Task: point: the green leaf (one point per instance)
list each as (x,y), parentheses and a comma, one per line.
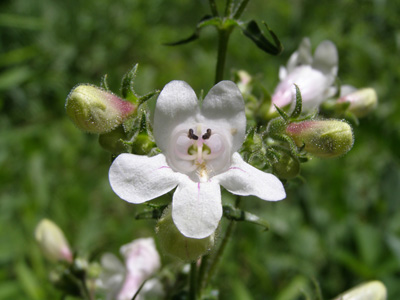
(127,90)
(148,96)
(236,214)
(299,103)
(282,113)
(154,213)
(253,32)
(205,21)
(104,82)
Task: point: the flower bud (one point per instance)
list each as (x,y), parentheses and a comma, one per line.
(287,167)
(95,110)
(113,141)
(178,245)
(143,144)
(322,138)
(371,290)
(52,241)
(362,101)
(243,81)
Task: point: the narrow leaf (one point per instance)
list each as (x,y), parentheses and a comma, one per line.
(299,104)
(154,213)
(104,82)
(236,214)
(253,32)
(127,85)
(205,21)
(148,96)
(282,113)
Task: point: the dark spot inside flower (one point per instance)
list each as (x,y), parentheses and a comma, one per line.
(207,134)
(192,136)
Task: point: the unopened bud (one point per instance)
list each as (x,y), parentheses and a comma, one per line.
(113,141)
(287,167)
(322,138)
(143,144)
(373,290)
(178,245)
(243,80)
(95,110)
(52,241)
(362,101)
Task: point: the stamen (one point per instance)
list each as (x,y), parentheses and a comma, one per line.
(192,136)
(207,134)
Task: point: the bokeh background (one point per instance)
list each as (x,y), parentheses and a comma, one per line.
(338,227)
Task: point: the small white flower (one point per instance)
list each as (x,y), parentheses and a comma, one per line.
(199,145)
(122,281)
(314,76)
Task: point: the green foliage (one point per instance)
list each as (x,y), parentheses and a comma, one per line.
(339,227)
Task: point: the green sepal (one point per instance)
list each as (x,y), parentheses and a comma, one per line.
(127,90)
(282,113)
(205,21)
(155,212)
(104,83)
(299,104)
(236,214)
(148,96)
(253,32)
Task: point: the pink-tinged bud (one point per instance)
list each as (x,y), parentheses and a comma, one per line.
(174,243)
(373,290)
(362,101)
(97,111)
(243,81)
(52,241)
(322,138)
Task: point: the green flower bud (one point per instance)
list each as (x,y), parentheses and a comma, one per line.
(178,245)
(367,291)
(52,241)
(113,141)
(362,101)
(95,110)
(143,144)
(287,167)
(322,138)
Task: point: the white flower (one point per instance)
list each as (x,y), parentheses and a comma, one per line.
(314,76)
(122,281)
(199,144)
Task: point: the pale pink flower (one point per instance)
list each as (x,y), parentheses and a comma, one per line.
(314,75)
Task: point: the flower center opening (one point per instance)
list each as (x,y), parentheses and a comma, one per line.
(199,151)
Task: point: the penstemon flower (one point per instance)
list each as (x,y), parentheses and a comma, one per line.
(199,144)
(122,281)
(314,75)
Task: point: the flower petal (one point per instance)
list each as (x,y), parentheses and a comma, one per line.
(176,104)
(326,58)
(243,179)
(196,208)
(224,105)
(137,179)
(300,57)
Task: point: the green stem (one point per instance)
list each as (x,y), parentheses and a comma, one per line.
(213,7)
(223,38)
(202,272)
(228,8)
(240,9)
(193,281)
(220,251)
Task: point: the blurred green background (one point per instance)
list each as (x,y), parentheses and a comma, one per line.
(338,228)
